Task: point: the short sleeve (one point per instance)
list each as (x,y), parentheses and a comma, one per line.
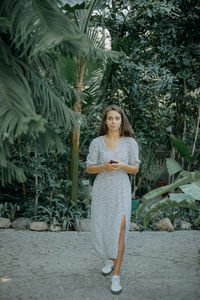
(92,157)
(133,153)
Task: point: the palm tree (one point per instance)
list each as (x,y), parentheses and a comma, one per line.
(34,97)
(82,14)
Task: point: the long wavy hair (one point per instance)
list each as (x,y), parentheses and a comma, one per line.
(125,128)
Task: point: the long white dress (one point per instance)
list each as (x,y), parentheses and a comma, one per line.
(111,194)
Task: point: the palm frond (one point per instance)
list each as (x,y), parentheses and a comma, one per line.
(96,50)
(10,173)
(50,106)
(49,68)
(48,139)
(4,25)
(39,25)
(17,114)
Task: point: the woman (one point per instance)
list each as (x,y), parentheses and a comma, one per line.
(112,156)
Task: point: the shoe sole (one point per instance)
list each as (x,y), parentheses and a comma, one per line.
(105,274)
(116,293)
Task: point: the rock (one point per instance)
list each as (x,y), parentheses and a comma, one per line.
(185,225)
(164,224)
(39,226)
(55,228)
(21,223)
(84,225)
(5,223)
(134,227)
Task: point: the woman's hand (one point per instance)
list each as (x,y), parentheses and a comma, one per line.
(114,167)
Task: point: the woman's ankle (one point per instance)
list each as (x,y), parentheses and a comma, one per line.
(113,259)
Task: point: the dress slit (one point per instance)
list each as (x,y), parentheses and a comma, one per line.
(120,232)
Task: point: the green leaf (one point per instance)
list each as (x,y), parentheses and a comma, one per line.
(182,148)
(179,197)
(192,189)
(162,190)
(39,25)
(17,114)
(149,12)
(197,222)
(173,166)
(167,204)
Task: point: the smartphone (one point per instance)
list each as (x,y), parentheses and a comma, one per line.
(113,162)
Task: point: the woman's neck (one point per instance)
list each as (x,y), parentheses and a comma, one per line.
(113,135)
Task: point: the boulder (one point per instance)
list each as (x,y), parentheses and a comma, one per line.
(185,225)
(39,226)
(84,225)
(21,223)
(134,227)
(5,223)
(164,224)
(55,228)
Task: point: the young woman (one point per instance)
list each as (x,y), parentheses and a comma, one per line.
(112,156)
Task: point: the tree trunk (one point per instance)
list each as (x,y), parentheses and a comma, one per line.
(36,185)
(80,66)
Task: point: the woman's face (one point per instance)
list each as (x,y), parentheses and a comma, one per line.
(113,120)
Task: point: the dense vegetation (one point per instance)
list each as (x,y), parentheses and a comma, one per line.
(57,75)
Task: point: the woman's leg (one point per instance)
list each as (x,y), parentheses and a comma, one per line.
(121,248)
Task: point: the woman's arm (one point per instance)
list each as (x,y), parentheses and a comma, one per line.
(130,169)
(94,169)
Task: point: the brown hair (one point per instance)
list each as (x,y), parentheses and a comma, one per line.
(125,129)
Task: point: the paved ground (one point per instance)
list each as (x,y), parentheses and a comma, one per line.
(58,266)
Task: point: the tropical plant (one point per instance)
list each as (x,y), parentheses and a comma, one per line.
(84,74)
(9,210)
(188,182)
(59,212)
(34,96)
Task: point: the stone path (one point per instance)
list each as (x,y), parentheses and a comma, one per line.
(63,265)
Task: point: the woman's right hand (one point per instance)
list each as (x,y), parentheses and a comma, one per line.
(109,167)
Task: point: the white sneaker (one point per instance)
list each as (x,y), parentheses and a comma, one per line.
(116,287)
(107,269)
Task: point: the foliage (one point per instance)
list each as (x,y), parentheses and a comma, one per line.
(155,92)
(167,204)
(156,82)
(151,168)
(59,212)
(34,95)
(180,200)
(182,148)
(175,214)
(9,210)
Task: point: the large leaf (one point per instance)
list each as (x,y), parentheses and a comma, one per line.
(182,148)
(167,204)
(39,25)
(192,189)
(173,166)
(192,177)
(162,190)
(180,196)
